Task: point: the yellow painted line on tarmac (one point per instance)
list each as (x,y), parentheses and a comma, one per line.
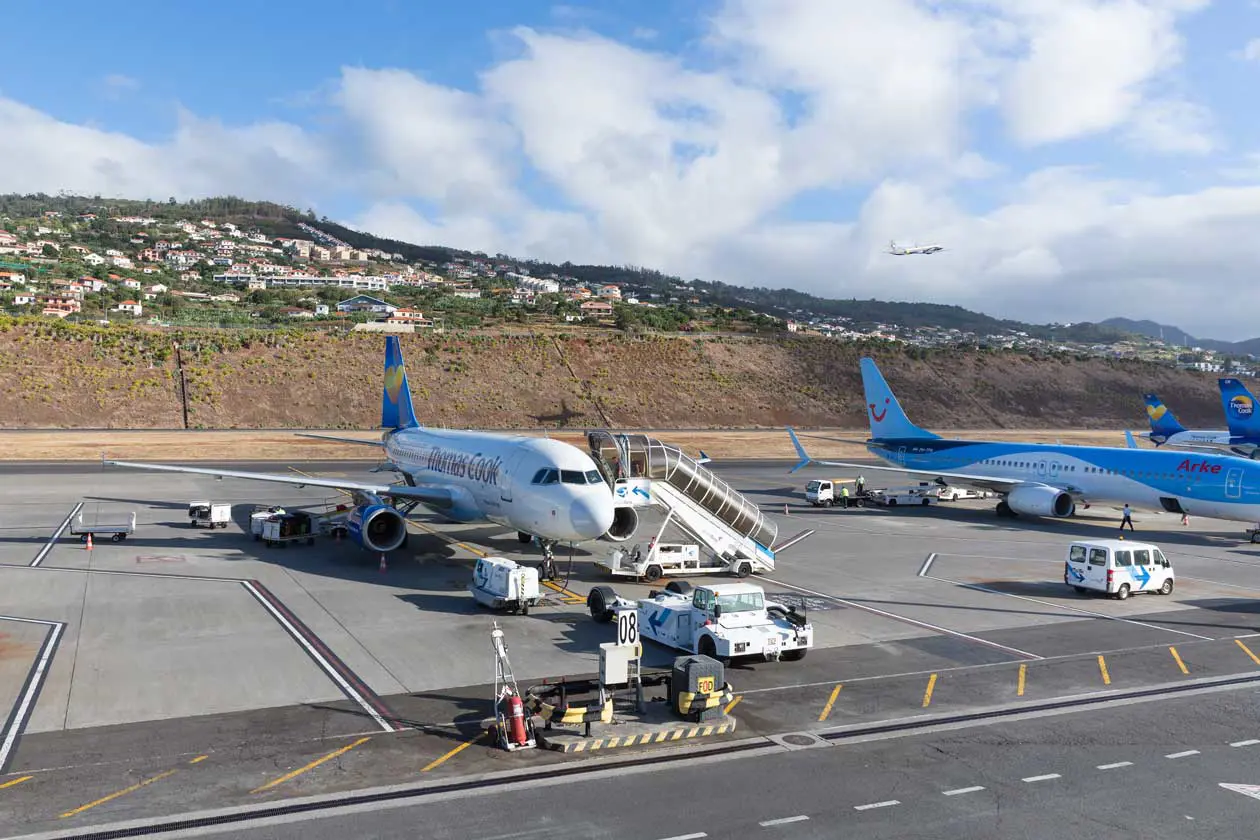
(15,782)
(295,773)
(831,701)
(1254,658)
(1177,657)
(733,704)
(199,759)
(570,597)
(442,759)
(927,695)
(448,538)
(1102,667)
(159,777)
(1023,675)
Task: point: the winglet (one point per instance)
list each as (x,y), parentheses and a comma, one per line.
(800,450)
(1128,438)
(703,459)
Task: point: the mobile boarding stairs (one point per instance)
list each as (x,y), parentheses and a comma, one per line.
(645,472)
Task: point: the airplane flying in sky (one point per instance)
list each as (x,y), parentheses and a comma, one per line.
(1051,479)
(1243,438)
(897,250)
(541,488)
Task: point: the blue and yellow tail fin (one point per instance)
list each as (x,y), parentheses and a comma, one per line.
(1240,409)
(882,409)
(1163,423)
(396,409)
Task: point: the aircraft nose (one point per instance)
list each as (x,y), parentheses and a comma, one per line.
(591,516)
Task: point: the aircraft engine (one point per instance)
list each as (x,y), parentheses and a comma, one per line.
(377,527)
(625,523)
(1041,501)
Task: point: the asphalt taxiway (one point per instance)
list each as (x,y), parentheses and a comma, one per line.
(186,669)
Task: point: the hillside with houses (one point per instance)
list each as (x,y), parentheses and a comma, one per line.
(233,264)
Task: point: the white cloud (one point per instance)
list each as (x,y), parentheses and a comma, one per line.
(117,85)
(1088,63)
(583,148)
(1250,50)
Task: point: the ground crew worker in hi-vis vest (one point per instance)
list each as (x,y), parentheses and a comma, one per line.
(844,494)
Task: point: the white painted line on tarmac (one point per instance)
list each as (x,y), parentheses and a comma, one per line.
(48,546)
(981,588)
(1250,742)
(885,804)
(961,791)
(1047,777)
(904,619)
(1184,754)
(320,660)
(21,713)
(783,821)
(697,836)
(927,564)
(1115,766)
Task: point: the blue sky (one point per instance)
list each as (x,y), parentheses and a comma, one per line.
(1106,146)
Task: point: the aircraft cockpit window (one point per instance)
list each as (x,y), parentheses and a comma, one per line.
(593,477)
(539,476)
(572,477)
(550,477)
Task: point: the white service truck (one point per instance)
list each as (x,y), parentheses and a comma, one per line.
(723,621)
(210,514)
(894,496)
(504,584)
(674,559)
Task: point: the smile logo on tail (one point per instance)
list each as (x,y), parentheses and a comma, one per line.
(881,414)
(1241,406)
(393,381)
(1156,411)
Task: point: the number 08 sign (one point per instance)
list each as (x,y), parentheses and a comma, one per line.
(627,628)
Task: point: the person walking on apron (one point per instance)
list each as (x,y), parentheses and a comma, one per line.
(1127,519)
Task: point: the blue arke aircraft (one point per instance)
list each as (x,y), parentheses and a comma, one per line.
(1039,479)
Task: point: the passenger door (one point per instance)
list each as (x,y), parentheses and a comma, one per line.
(1233,483)
(1096,569)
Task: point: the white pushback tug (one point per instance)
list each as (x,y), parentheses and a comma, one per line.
(723,621)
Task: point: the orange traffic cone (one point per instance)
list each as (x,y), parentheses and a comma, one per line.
(383,567)
(89,543)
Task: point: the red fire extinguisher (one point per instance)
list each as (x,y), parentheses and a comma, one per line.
(516,719)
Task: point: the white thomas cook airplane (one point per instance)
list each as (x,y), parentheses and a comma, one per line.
(897,250)
(538,487)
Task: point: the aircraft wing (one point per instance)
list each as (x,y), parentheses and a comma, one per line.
(982,482)
(432,495)
(338,439)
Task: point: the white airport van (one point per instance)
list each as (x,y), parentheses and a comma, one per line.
(1118,568)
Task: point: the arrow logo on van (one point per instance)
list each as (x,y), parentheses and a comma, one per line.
(1075,575)
(1143,575)
(658,618)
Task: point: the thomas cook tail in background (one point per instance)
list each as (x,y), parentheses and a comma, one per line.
(884,412)
(1240,409)
(396,409)
(1163,423)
